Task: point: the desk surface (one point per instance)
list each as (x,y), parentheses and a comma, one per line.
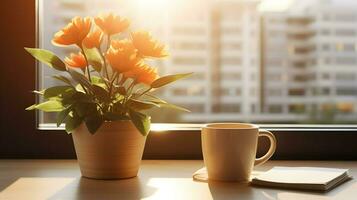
(165,179)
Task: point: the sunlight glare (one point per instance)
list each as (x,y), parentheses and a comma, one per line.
(36,187)
(275,5)
(151,5)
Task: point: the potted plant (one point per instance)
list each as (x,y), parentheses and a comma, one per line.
(106,88)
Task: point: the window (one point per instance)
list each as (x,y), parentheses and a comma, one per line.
(231,30)
(192,91)
(297,108)
(237,60)
(296,92)
(49,142)
(188,45)
(345,32)
(345,77)
(345,47)
(348,17)
(188,60)
(231,76)
(320,91)
(226,108)
(326,17)
(187,31)
(275,109)
(346,60)
(229,92)
(325,32)
(275,92)
(231,45)
(300,78)
(231,61)
(325,76)
(274,62)
(274,77)
(346,91)
(325,47)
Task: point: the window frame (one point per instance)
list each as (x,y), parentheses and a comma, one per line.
(178,141)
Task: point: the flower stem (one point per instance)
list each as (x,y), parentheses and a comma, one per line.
(146,91)
(105,66)
(108,41)
(116,75)
(129,90)
(85,57)
(103,57)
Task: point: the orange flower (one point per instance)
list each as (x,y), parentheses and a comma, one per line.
(147,46)
(123,44)
(143,74)
(122,56)
(112,24)
(93,39)
(74,32)
(76,60)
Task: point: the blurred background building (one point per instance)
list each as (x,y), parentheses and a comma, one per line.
(310,61)
(294,65)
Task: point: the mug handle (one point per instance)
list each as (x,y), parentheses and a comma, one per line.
(271,150)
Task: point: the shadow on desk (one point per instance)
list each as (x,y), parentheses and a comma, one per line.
(84,188)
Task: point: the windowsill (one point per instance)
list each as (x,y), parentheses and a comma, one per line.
(61,179)
(183,141)
(158,127)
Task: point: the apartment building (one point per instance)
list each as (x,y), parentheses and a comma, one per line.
(219,42)
(286,55)
(309,62)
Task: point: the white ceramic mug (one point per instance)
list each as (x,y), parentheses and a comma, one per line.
(229,150)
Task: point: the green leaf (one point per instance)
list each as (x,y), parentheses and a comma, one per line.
(48,58)
(112,116)
(98,81)
(118,107)
(79,88)
(168,79)
(61,116)
(48,106)
(140,105)
(77,97)
(39,92)
(80,78)
(94,58)
(57,90)
(85,109)
(32,107)
(141,122)
(82,98)
(121,90)
(101,94)
(72,122)
(63,79)
(93,122)
(164,104)
(154,98)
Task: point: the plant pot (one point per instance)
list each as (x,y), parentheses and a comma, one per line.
(113,152)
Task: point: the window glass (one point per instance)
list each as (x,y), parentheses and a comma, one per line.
(262,60)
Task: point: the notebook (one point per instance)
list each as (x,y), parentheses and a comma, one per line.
(306,178)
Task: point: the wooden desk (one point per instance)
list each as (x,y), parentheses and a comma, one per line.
(166,179)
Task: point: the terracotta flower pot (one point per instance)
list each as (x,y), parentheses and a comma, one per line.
(113,152)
